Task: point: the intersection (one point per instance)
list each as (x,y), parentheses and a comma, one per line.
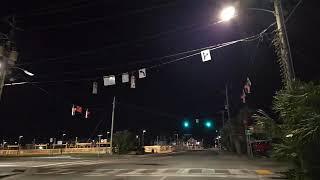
(207,164)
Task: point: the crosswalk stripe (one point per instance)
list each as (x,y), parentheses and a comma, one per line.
(168,172)
(102,172)
(208,171)
(160,171)
(236,171)
(137,171)
(184,171)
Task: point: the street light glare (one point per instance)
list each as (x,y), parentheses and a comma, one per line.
(227,13)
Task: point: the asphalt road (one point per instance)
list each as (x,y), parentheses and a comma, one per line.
(200,165)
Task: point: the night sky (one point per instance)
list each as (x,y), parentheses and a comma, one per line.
(71,44)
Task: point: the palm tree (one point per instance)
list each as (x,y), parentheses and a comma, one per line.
(298,109)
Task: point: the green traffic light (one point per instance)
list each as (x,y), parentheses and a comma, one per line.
(208,124)
(186,124)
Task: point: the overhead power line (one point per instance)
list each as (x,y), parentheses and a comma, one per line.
(105,18)
(190,28)
(56,8)
(214,47)
(293,10)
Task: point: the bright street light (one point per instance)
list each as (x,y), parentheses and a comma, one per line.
(227,13)
(28,73)
(25,71)
(144,131)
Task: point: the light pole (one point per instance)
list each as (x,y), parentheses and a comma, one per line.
(177,135)
(24,70)
(19,144)
(143,131)
(99,144)
(138,139)
(63,135)
(230,12)
(76,142)
(108,134)
(19,140)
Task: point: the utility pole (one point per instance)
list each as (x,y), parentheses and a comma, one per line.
(112,121)
(99,143)
(8,54)
(2,73)
(227,103)
(285,47)
(222,118)
(157,140)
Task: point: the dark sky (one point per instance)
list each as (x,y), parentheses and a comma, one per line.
(71,44)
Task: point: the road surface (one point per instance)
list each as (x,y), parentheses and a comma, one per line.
(199,165)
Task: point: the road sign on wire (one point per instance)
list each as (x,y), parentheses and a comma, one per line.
(205,55)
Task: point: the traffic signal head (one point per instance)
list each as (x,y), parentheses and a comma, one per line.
(186,124)
(208,124)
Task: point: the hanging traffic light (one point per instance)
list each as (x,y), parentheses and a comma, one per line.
(208,124)
(186,124)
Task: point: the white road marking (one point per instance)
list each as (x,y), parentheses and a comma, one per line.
(137,171)
(103,172)
(184,171)
(162,173)
(208,171)
(159,171)
(8,165)
(163,178)
(236,171)
(70,163)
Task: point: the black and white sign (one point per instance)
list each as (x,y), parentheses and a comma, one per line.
(205,55)
(133,82)
(142,73)
(109,80)
(125,77)
(95,88)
